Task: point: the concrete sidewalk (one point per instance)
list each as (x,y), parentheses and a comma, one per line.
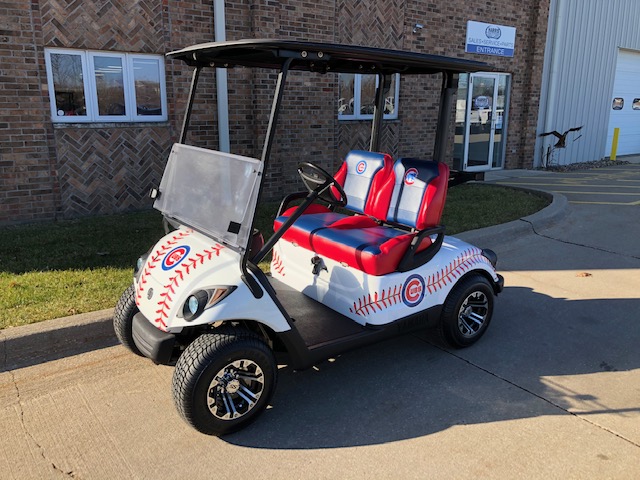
(550,392)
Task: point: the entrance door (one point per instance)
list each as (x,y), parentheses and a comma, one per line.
(481,121)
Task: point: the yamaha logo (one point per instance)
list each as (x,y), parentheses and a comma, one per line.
(361,167)
(493,32)
(174,257)
(413,291)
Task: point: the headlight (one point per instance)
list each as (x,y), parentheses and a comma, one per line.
(139,264)
(200,300)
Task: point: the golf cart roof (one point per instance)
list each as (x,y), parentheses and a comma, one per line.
(321,57)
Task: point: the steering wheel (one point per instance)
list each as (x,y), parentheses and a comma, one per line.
(318,180)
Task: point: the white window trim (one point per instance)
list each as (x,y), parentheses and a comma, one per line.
(163,89)
(94,88)
(90,90)
(357,93)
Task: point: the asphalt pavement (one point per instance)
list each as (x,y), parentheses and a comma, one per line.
(551,391)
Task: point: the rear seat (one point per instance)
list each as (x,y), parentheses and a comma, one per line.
(408,199)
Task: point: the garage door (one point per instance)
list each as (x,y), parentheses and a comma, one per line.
(625,104)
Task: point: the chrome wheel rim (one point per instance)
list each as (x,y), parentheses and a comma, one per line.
(235,389)
(473,314)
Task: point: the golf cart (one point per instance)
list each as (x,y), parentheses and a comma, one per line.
(338,280)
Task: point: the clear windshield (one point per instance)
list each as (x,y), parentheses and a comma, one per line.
(213,192)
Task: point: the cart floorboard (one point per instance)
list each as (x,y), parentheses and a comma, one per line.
(316,322)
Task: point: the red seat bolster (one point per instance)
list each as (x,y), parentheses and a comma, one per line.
(356,221)
(434,199)
(313,208)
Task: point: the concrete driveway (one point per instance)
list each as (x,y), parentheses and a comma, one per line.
(551,391)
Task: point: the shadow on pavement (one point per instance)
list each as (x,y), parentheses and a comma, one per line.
(26,351)
(409,387)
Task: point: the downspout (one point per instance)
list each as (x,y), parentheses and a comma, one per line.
(221,79)
(551,68)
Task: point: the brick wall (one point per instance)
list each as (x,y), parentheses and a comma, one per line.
(74,170)
(28,186)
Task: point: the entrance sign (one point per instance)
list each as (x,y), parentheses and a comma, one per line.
(490,39)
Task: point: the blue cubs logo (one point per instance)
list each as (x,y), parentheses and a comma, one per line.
(410,176)
(361,167)
(413,291)
(175,256)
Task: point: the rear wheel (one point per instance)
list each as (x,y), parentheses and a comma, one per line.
(224,380)
(467,312)
(123,319)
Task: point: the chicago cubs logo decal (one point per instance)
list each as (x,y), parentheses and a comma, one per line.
(361,167)
(174,257)
(410,176)
(413,291)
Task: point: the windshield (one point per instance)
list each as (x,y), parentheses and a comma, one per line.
(213,192)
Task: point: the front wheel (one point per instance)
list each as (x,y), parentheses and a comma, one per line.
(467,312)
(223,381)
(123,319)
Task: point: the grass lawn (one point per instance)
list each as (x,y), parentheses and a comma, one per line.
(68,267)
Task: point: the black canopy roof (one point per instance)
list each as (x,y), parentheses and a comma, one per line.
(321,57)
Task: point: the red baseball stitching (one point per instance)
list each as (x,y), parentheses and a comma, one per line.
(185,269)
(155,258)
(461,264)
(455,270)
(277,264)
(385,300)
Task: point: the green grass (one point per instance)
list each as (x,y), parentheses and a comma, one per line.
(68,267)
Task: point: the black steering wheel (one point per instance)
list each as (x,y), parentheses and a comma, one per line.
(318,180)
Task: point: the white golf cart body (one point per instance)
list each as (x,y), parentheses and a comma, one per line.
(199,297)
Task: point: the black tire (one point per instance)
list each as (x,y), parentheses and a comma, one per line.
(225,369)
(123,319)
(467,312)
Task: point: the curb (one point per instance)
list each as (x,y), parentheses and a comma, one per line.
(54,339)
(545,218)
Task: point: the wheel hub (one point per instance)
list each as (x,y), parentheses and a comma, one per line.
(235,389)
(473,314)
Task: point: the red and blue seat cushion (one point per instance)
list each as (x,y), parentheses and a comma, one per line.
(360,241)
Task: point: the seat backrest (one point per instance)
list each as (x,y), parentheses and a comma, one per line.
(419,193)
(363,176)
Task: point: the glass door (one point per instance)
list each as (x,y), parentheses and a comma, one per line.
(481,113)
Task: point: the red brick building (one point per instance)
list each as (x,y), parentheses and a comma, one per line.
(72,144)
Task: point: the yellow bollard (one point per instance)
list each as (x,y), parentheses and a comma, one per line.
(614,145)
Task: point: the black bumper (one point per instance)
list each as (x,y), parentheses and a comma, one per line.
(152,342)
(499,285)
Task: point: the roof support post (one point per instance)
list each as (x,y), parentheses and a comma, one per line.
(248,279)
(384,84)
(447,94)
(192,94)
(275,110)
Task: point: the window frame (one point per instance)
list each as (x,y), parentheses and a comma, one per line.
(357,98)
(90,87)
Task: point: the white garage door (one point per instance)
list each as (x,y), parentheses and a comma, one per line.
(625,104)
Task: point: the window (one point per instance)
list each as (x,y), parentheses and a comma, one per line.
(105,86)
(618,103)
(358,93)
(636,104)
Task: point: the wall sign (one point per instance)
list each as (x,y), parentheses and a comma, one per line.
(490,39)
